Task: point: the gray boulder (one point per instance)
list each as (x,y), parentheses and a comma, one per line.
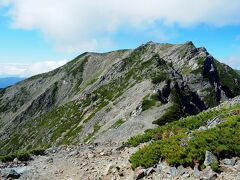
(73,153)
(173,171)
(13,174)
(214,122)
(196,172)
(148,171)
(49,160)
(229,162)
(181,170)
(138,173)
(210,158)
(163,167)
(208,174)
(237,166)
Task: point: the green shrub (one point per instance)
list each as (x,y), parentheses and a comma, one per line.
(172,114)
(147,104)
(136,140)
(160,77)
(223,141)
(215,167)
(150,156)
(182,126)
(22,156)
(40,151)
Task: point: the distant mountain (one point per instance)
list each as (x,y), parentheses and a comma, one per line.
(238,71)
(8,81)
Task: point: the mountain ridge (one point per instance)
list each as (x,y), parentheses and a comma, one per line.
(85,99)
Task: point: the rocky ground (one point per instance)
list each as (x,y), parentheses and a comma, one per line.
(108,162)
(83,162)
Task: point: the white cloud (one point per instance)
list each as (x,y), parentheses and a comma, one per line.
(27,70)
(87,24)
(233,61)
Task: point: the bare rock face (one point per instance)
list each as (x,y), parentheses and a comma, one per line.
(110,97)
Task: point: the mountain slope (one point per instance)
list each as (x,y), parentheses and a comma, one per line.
(8,81)
(112,96)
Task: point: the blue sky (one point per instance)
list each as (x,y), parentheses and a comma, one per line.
(37,36)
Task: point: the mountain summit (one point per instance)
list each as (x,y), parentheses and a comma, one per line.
(109,97)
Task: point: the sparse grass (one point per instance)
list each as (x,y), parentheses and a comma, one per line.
(147,104)
(149,101)
(96,128)
(22,156)
(158,78)
(117,124)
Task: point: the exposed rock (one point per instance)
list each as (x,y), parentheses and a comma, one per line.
(73,153)
(148,171)
(230,162)
(196,172)
(52,150)
(173,171)
(186,175)
(237,166)
(208,174)
(138,173)
(90,155)
(163,167)
(9,173)
(15,161)
(228,168)
(181,170)
(185,140)
(210,158)
(214,122)
(49,160)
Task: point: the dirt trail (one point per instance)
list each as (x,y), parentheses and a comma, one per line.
(82,163)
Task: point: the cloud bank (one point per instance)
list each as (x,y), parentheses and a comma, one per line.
(27,70)
(83,24)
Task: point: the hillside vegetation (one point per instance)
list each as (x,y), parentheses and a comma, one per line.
(185,142)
